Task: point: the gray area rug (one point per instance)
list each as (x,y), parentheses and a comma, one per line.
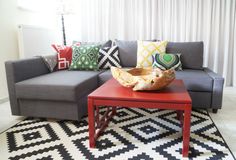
(133,134)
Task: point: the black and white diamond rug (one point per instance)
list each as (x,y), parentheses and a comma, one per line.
(133,134)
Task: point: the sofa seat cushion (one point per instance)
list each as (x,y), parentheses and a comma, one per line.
(61,85)
(104,76)
(195,80)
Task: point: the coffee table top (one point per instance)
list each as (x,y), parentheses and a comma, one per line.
(112,90)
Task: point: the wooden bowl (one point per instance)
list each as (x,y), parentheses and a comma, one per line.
(143,78)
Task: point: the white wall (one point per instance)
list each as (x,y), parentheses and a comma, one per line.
(8,39)
(10,17)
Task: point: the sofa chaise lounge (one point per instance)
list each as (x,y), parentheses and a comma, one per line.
(36,92)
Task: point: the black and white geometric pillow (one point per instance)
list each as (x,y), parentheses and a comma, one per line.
(50,61)
(108,56)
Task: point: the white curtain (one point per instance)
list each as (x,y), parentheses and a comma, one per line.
(211,21)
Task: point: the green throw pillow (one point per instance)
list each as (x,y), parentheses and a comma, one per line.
(85,57)
(167,61)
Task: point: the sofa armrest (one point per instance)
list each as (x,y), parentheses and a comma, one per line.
(20,70)
(218,84)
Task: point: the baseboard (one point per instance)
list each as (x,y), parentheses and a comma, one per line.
(2,100)
(230,90)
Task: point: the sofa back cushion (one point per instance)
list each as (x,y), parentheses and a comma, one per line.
(102,43)
(127,52)
(191,53)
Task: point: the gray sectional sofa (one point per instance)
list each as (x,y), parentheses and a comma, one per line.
(34,91)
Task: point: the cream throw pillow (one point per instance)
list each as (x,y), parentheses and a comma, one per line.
(145,51)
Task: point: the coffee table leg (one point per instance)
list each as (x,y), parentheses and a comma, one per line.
(114,110)
(91,123)
(97,119)
(180,116)
(186,131)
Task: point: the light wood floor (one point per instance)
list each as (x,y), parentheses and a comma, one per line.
(225,119)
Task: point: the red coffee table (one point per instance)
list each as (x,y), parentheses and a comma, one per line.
(174,97)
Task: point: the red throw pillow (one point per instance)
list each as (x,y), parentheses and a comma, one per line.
(64,55)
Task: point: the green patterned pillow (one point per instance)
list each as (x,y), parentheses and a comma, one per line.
(85,57)
(167,61)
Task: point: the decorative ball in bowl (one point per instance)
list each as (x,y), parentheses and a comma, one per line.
(143,78)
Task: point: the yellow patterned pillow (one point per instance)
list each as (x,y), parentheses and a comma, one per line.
(146,49)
